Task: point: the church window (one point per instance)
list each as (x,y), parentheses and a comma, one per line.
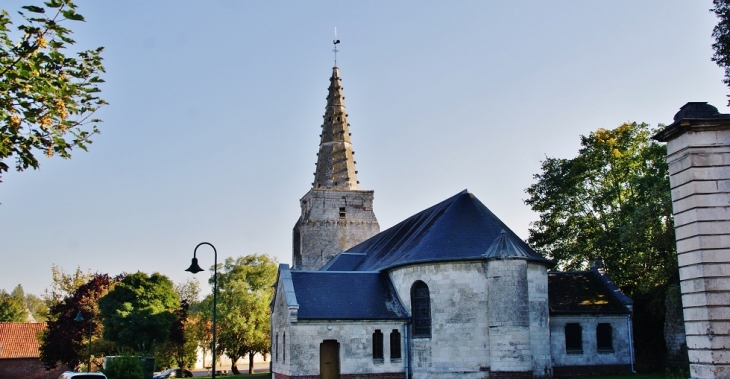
(276,348)
(342,212)
(395,344)
(573,338)
(604,337)
(377,344)
(283,348)
(421,310)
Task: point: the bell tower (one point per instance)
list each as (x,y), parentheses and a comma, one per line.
(336,215)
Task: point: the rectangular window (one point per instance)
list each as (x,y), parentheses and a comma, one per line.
(395,344)
(604,337)
(342,213)
(573,339)
(378,344)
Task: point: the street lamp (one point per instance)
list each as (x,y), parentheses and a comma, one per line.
(195,268)
(79,318)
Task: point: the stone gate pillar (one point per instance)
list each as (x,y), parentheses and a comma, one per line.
(698,153)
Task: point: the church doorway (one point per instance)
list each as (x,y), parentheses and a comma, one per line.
(329,359)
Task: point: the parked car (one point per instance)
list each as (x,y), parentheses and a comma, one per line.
(172,373)
(82,375)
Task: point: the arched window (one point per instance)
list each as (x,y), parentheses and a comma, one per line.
(378,344)
(395,344)
(283,349)
(276,345)
(421,309)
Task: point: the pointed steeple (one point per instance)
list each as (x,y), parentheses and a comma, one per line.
(335,160)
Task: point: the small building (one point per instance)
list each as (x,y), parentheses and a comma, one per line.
(19,352)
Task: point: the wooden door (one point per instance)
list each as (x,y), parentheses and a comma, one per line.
(329,359)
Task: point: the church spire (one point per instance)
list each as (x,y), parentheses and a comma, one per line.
(335,160)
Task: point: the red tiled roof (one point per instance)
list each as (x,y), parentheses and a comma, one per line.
(19,339)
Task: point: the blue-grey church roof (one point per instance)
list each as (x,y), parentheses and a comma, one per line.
(333,295)
(459,228)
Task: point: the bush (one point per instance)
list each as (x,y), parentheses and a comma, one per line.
(124,367)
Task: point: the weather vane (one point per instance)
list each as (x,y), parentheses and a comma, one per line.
(335,42)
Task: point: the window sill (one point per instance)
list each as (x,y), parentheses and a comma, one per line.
(574,352)
(606,351)
(378,361)
(396,360)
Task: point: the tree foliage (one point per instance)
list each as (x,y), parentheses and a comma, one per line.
(124,367)
(181,348)
(64,285)
(245,291)
(721,33)
(138,313)
(47,98)
(12,308)
(33,307)
(66,340)
(612,200)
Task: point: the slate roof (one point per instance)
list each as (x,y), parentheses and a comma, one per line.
(458,228)
(335,295)
(579,292)
(18,339)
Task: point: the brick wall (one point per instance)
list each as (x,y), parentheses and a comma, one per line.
(28,368)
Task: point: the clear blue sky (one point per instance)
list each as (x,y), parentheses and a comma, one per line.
(216,106)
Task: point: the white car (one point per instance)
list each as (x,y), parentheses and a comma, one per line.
(82,375)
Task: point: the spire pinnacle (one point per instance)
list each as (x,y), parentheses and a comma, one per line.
(335,42)
(335,162)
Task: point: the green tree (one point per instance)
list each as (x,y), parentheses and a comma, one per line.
(64,285)
(124,367)
(138,313)
(31,304)
(189,291)
(47,98)
(12,308)
(721,33)
(613,201)
(244,293)
(181,348)
(199,326)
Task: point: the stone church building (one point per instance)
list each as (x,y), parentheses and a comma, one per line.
(450,292)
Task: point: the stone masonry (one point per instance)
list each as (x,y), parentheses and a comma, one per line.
(335,214)
(698,154)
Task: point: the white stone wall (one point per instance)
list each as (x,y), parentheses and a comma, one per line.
(699,168)
(460,334)
(537,289)
(508,316)
(280,325)
(590,356)
(356,346)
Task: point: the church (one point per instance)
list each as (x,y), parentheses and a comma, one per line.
(450,292)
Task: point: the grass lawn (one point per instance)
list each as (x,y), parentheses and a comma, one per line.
(668,374)
(245,376)
(659,375)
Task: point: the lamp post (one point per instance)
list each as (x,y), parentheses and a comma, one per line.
(195,268)
(79,318)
